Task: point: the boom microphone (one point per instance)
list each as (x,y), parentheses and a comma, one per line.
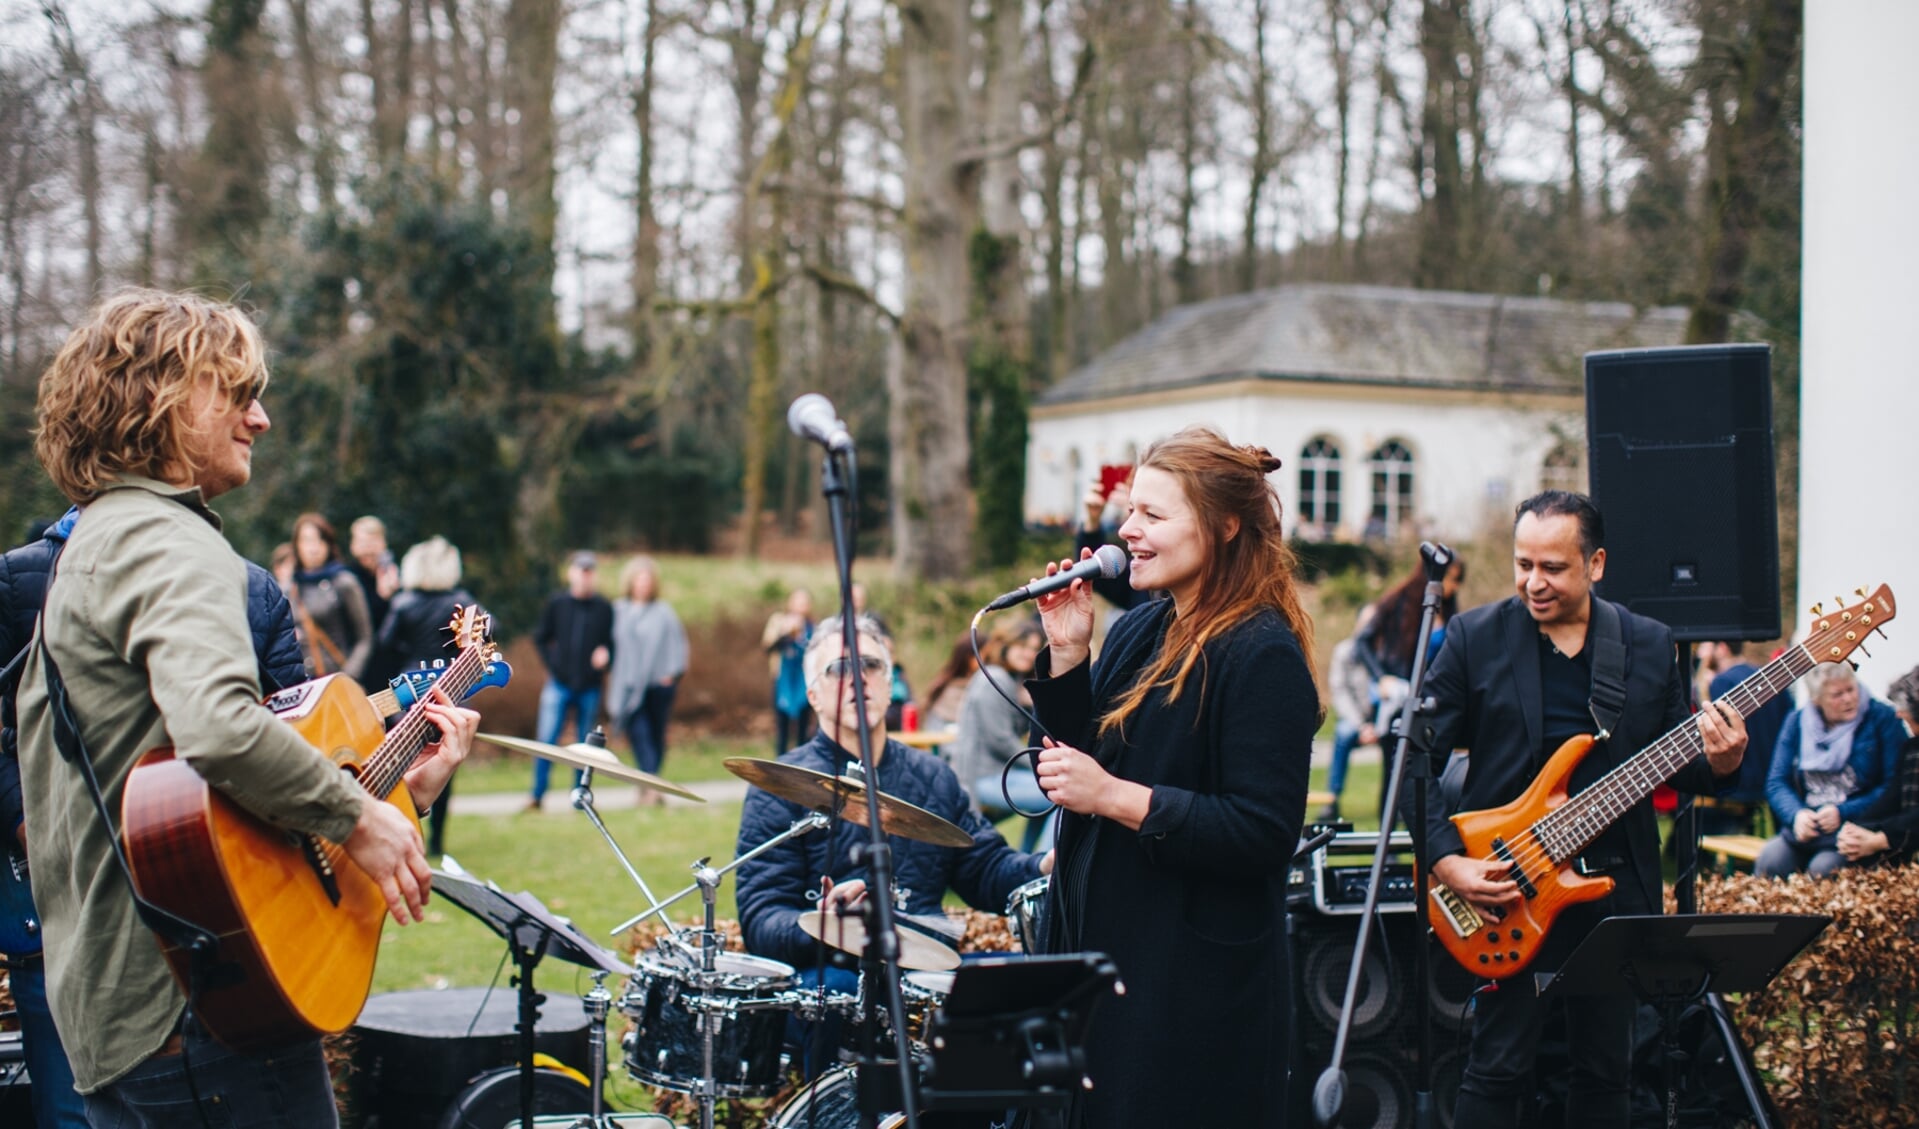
(1106,563)
(812,417)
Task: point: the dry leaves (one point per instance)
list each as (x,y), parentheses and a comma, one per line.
(1834,1034)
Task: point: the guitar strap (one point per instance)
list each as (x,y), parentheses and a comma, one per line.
(1608,701)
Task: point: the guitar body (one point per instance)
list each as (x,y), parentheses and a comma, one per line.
(295,958)
(1499,949)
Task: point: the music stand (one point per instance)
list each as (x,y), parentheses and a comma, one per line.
(1011,1034)
(531,932)
(1670,961)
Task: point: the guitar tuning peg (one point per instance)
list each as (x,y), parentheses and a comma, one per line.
(1860,592)
(1818,609)
(1881,632)
(1838,602)
(1868,654)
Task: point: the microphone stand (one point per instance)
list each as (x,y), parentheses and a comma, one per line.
(881,958)
(1329,1092)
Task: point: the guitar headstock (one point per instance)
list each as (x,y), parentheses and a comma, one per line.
(1835,634)
(473,627)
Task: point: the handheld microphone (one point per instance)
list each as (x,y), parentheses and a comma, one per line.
(1109,561)
(812,417)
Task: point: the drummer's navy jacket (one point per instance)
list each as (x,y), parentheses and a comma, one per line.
(773,887)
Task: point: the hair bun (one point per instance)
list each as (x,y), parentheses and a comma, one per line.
(1268,462)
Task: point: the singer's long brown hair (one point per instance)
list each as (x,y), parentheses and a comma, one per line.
(1245,572)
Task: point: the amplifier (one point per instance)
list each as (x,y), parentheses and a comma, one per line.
(1342,869)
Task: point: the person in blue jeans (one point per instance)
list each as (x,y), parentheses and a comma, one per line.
(1350,685)
(575,637)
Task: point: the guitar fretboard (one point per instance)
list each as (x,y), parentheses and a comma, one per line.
(390,762)
(1581,819)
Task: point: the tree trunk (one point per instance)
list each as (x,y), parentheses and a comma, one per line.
(1747,144)
(646,239)
(1438,160)
(313,91)
(230,193)
(532,60)
(1340,43)
(1263,161)
(927,418)
(1185,273)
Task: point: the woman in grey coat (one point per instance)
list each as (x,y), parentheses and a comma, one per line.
(649,658)
(992,729)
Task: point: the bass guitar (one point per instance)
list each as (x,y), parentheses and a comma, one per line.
(1539,835)
(297,924)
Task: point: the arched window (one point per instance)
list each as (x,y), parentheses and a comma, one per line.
(1563,468)
(1392,467)
(1319,487)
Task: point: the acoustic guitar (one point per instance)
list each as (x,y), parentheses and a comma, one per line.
(1539,835)
(297,923)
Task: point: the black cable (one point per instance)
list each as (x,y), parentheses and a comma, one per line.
(490,985)
(1030,751)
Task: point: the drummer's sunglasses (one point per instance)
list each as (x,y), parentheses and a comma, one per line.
(840,668)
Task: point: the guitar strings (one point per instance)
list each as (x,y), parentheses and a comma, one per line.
(1566,820)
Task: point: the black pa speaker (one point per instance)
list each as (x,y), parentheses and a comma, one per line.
(1680,450)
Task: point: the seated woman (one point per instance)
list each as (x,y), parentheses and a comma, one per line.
(1890,832)
(1835,761)
(947,692)
(993,728)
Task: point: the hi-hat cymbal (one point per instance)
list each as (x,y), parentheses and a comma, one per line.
(822,793)
(847,933)
(581,755)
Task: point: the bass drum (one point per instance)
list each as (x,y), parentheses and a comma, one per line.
(831,1101)
(492,1101)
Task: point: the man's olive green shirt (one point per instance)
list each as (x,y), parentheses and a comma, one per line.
(146,616)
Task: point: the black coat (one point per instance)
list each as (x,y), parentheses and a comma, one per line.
(1487,685)
(1192,906)
(417,628)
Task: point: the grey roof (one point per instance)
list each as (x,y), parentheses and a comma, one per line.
(1376,335)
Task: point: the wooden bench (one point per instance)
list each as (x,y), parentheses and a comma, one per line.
(1732,849)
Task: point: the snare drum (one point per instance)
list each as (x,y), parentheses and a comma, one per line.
(667,999)
(831,1101)
(1026,909)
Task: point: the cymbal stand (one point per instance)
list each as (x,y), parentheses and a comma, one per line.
(708,881)
(583,800)
(811,821)
(597,1002)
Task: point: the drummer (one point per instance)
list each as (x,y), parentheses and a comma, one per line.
(777,887)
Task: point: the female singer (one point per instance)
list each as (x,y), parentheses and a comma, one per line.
(1181,764)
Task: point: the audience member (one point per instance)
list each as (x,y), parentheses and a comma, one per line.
(1354,704)
(372,565)
(418,630)
(328,603)
(785,638)
(1890,832)
(1386,643)
(575,637)
(1834,762)
(649,659)
(1094,531)
(947,692)
(993,728)
(1736,809)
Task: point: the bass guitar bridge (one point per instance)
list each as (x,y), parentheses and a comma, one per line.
(1458,912)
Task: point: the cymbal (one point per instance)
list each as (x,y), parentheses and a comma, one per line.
(820,792)
(582,755)
(847,933)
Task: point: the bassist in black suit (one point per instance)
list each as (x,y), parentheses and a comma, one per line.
(1513,682)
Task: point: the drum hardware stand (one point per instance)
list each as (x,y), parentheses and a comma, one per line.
(811,821)
(596,1002)
(839,477)
(1329,1092)
(708,881)
(583,800)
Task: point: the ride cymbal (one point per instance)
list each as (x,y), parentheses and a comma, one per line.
(819,792)
(847,933)
(579,755)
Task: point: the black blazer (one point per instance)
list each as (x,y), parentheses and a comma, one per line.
(1486,684)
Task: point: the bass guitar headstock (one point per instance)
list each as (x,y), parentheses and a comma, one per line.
(1833,636)
(473,627)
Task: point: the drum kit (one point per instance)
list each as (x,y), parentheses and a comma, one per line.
(712,1024)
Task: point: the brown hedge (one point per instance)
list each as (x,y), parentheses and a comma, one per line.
(1834,1034)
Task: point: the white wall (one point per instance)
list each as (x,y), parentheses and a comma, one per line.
(1474,457)
(1860,391)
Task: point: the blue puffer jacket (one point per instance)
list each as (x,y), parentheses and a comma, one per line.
(23,589)
(773,887)
(1876,747)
